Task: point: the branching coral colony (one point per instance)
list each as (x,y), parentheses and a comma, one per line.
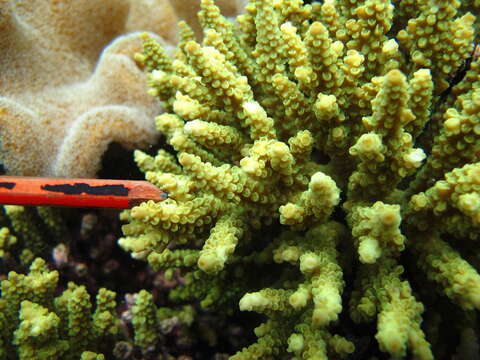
(338,121)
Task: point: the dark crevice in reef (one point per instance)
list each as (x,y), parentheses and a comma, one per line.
(117,163)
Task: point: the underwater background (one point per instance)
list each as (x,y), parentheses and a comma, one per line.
(320,162)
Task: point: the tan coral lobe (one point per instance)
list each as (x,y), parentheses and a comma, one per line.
(69,85)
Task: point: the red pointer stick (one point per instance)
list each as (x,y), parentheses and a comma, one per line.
(121,194)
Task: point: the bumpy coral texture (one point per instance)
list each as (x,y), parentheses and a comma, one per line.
(69,85)
(36,324)
(323,152)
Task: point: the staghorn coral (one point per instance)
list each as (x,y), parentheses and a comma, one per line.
(87,256)
(32,231)
(39,322)
(326,138)
(36,324)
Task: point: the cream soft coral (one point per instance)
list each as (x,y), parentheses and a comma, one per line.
(68,82)
(67,89)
